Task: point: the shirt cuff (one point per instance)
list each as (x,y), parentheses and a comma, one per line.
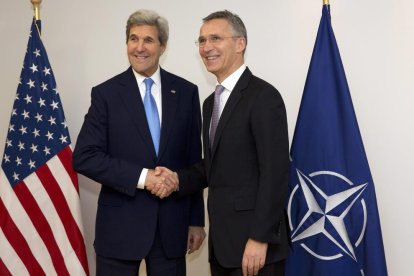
(141,180)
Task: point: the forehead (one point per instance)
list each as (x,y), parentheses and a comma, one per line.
(144,30)
(215,26)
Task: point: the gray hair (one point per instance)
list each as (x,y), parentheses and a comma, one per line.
(234,20)
(151,18)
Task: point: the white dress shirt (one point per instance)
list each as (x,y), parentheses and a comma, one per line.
(156,93)
(229,83)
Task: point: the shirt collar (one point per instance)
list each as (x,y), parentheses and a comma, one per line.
(230,82)
(156,77)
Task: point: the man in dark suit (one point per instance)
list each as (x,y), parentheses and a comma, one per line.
(142,118)
(246,157)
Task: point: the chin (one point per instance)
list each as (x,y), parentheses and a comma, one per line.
(140,69)
(211,69)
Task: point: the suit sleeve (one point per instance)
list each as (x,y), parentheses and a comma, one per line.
(194,178)
(197,200)
(91,157)
(269,128)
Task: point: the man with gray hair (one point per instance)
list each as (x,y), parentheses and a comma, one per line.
(246,158)
(142,118)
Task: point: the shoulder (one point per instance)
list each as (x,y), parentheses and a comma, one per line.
(261,89)
(119,79)
(176,80)
(265,99)
(263,85)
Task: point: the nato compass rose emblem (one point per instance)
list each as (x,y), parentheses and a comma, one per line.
(327,215)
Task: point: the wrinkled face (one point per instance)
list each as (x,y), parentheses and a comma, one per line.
(220,50)
(144,49)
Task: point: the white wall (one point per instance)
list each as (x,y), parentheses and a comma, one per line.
(85,42)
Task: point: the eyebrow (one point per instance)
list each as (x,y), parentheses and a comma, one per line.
(140,37)
(210,35)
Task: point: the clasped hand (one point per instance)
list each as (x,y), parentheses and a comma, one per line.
(161,182)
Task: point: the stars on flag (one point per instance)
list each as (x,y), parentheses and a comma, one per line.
(21,146)
(15,176)
(31,164)
(9,143)
(31,83)
(44,86)
(34,68)
(41,102)
(47,151)
(37,52)
(18,161)
(54,105)
(38,117)
(49,135)
(52,121)
(63,139)
(46,71)
(23,130)
(34,148)
(11,128)
(28,99)
(6,158)
(25,114)
(36,133)
(37,112)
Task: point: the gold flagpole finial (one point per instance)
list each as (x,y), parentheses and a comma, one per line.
(326,2)
(36,7)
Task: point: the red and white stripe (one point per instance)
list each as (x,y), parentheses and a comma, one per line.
(40,222)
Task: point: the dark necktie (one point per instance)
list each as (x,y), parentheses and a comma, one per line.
(216,113)
(152,114)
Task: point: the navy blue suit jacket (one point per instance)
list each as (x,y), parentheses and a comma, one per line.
(113,147)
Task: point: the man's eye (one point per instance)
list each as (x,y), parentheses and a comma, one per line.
(202,40)
(148,41)
(215,39)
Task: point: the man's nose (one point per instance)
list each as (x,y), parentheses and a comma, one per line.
(140,45)
(208,45)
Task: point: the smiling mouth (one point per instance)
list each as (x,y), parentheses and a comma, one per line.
(211,57)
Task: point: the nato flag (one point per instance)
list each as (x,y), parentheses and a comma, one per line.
(333,215)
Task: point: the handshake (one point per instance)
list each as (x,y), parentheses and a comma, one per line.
(161,182)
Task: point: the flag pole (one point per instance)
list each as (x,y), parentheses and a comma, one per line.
(36,5)
(326,2)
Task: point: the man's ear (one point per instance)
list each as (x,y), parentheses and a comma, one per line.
(241,44)
(163,48)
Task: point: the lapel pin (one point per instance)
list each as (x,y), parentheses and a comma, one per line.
(173,91)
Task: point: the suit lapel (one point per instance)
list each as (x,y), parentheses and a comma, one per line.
(170,97)
(231,103)
(131,98)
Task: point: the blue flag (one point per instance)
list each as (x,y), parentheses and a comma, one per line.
(333,215)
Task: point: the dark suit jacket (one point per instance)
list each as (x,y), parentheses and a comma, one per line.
(246,172)
(113,147)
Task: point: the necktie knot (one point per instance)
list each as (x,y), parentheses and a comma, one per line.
(219,89)
(148,83)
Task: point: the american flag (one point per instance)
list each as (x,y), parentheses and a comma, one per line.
(40,218)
